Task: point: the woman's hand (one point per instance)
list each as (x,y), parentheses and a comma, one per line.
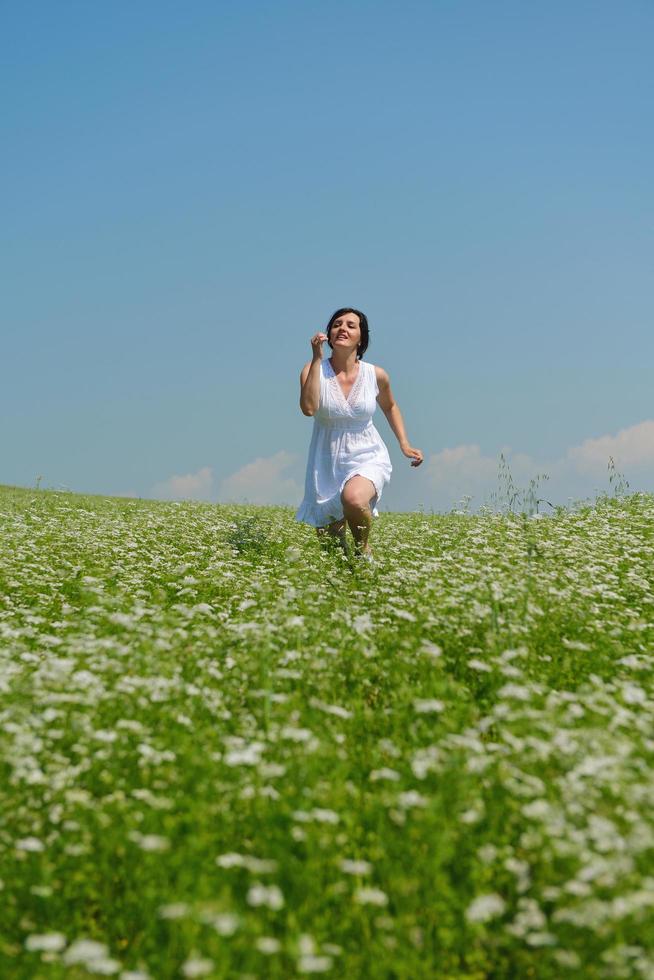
(415,455)
(317,341)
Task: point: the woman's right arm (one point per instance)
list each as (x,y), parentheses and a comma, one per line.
(310,378)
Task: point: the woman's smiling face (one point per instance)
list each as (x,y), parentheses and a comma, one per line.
(345,332)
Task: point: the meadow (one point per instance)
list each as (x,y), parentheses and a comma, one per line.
(229,753)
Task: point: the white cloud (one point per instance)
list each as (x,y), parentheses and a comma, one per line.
(461,471)
(633,446)
(263,481)
(579,473)
(446,476)
(191,486)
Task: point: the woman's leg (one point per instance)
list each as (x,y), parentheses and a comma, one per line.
(356,496)
(333,533)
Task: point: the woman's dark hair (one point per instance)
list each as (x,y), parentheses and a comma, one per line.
(363,323)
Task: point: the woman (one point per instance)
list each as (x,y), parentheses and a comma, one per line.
(348,463)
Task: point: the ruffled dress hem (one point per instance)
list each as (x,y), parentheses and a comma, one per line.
(322,513)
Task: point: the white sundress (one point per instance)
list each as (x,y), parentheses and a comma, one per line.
(344,443)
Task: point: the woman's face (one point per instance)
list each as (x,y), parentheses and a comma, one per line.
(345,332)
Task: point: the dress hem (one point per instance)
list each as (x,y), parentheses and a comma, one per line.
(322,514)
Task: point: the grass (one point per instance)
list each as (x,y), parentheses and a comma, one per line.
(228,753)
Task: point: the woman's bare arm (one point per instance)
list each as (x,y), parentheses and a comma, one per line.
(310,377)
(391,410)
(310,388)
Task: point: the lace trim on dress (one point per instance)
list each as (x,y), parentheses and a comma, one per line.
(355,387)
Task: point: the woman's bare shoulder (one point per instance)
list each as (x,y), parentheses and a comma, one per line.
(380,373)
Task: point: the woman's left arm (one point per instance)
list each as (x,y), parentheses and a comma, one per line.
(391,410)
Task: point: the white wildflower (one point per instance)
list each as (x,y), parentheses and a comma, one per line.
(330,709)
(202,607)
(384,773)
(50,942)
(268,945)
(230,860)
(537,809)
(431,650)
(323,815)
(249,755)
(29,844)
(567,958)
(296,734)
(355,867)
(314,964)
(425,706)
(101,735)
(633,694)
(150,842)
(541,939)
(319,814)
(488,853)
(401,613)
(575,645)
(174,910)
(268,895)
(411,798)
(517,691)
(306,944)
(362,624)
(93,955)
(256,865)
(196,966)
(425,760)
(472,815)
(225,923)
(371,896)
(485,907)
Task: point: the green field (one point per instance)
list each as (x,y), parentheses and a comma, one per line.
(229,753)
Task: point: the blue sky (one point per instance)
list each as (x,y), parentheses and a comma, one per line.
(189,191)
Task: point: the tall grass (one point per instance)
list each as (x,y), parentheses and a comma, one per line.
(229,753)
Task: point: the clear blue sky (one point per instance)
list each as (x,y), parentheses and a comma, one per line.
(190,190)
